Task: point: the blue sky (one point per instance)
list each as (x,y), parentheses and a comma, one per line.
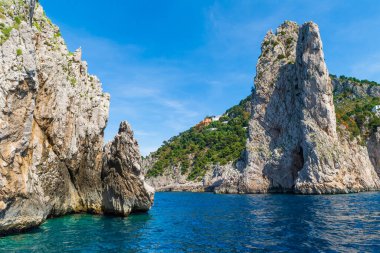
(169,63)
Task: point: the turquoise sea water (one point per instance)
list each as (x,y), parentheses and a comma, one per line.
(205,222)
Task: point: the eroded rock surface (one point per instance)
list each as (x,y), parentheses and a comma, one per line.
(219,178)
(293,143)
(52,118)
(374,150)
(355,89)
(124,189)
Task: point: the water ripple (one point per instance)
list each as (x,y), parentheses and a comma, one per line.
(193,222)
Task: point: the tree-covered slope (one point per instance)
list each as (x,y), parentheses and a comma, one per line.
(354,102)
(196,150)
(193,151)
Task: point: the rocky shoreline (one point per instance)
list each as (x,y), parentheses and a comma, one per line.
(295,144)
(53,160)
(52,156)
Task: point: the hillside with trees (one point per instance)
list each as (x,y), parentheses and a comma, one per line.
(222,141)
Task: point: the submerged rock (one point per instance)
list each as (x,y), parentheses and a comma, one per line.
(52,119)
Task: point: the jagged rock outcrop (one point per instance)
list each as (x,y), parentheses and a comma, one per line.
(200,158)
(212,181)
(124,189)
(52,118)
(374,149)
(355,89)
(294,119)
(293,143)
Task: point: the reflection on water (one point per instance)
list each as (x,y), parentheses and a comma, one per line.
(203,222)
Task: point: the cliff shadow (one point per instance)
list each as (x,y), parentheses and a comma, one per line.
(282,125)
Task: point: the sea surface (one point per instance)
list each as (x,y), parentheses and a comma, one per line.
(206,222)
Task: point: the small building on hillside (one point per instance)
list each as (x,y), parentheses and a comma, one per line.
(376,110)
(216,118)
(207,121)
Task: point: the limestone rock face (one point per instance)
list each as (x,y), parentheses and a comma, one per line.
(293,143)
(374,150)
(124,190)
(225,179)
(220,179)
(52,118)
(355,90)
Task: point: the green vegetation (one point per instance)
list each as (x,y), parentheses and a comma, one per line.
(4,29)
(356,115)
(353,79)
(42,23)
(57,34)
(289,41)
(2,12)
(266,43)
(19,52)
(194,151)
(5,33)
(18,20)
(197,149)
(37,25)
(281,56)
(73,81)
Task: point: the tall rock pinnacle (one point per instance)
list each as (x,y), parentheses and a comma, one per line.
(293,143)
(52,120)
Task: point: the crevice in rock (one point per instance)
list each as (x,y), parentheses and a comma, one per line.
(72,177)
(298,162)
(373,148)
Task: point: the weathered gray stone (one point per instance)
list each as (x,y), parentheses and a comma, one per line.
(354,89)
(124,189)
(52,118)
(374,150)
(293,144)
(221,179)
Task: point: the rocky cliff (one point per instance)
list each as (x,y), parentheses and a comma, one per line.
(124,189)
(298,140)
(293,141)
(53,115)
(203,156)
